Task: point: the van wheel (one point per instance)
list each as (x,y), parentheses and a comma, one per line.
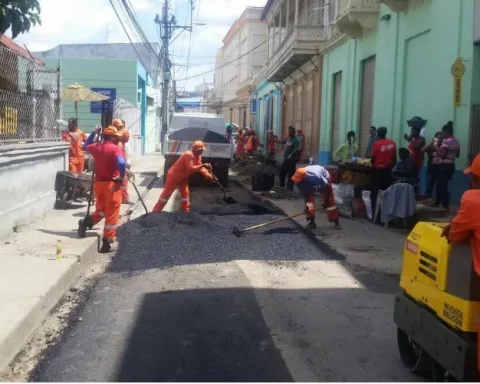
(413,356)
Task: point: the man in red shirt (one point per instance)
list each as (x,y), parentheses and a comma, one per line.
(416,143)
(465,226)
(384,158)
(110,168)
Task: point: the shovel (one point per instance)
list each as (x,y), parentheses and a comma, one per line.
(238,232)
(131,178)
(226,199)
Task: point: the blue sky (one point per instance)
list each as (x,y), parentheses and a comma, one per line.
(91,21)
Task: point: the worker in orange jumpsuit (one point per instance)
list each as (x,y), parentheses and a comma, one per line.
(465,226)
(124,138)
(252,142)
(301,150)
(188,163)
(110,169)
(271,145)
(316,178)
(76,138)
(240,150)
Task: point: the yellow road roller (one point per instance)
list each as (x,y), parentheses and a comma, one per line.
(437,309)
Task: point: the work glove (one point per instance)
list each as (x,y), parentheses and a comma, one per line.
(207,166)
(118,182)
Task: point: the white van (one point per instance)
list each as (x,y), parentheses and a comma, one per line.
(185,128)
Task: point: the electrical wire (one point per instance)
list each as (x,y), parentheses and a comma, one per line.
(232,61)
(126,32)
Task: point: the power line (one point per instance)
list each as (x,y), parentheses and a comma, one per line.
(232,61)
(126,32)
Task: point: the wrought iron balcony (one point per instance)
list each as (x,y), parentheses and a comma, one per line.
(396,5)
(296,49)
(355,16)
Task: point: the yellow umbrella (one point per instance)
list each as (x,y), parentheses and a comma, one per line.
(77,92)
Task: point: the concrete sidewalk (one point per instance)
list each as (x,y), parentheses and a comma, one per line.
(32,281)
(364,244)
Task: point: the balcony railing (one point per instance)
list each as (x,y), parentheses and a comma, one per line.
(296,49)
(355,16)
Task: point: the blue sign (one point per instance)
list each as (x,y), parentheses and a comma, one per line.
(96,106)
(253,103)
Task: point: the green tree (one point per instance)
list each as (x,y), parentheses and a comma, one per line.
(19,15)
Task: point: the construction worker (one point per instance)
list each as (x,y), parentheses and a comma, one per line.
(110,169)
(316,178)
(240,150)
(252,142)
(188,163)
(119,125)
(124,138)
(76,138)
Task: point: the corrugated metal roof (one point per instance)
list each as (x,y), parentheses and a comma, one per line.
(14,47)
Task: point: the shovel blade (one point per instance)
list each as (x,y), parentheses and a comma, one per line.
(230,200)
(236,232)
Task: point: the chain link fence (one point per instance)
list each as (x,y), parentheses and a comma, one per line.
(125,110)
(29,100)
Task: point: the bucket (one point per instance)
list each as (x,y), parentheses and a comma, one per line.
(262,182)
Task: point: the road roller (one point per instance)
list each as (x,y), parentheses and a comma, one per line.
(437,307)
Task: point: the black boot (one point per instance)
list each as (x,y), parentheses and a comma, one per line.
(83,225)
(311,224)
(106,246)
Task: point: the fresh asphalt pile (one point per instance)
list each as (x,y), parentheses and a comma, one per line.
(249,166)
(167,239)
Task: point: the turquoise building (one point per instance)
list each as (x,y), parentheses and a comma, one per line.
(269,108)
(395,62)
(126,80)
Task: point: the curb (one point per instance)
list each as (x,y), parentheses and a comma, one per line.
(20,336)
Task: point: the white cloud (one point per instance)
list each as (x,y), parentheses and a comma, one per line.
(80,21)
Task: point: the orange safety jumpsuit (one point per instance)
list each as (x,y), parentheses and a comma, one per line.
(271,143)
(177,178)
(107,156)
(252,144)
(316,177)
(125,136)
(240,151)
(76,158)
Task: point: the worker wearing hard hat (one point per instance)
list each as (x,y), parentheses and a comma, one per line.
(316,178)
(240,150)
(188,163)
(76,138)
(110,168)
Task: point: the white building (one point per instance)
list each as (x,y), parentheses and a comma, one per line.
(238,62)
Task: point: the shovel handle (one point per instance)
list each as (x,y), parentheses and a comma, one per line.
(274,221)
(216,181)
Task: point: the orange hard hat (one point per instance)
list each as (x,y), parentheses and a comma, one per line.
(474,168)
(110,131)
(117,123)
(299,175)
(198,146)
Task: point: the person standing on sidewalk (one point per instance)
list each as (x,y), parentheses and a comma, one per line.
(384,158)
(110,169)
(289,165)
(432,165)
(76,138)
(447,153)
(415,145)
(371,140)
(316,178)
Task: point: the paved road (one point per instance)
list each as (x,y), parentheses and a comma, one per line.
(270,306)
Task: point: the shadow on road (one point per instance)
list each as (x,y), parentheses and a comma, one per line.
(201,336)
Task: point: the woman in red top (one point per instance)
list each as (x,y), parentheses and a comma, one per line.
(416,143)
(384,158)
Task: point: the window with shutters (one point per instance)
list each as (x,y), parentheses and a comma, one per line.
(366,103)
(336,110)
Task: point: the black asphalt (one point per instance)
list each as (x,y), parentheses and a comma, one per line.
(140,323)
